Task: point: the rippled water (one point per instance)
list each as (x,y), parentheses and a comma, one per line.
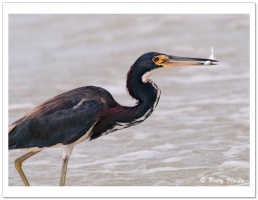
(200,128)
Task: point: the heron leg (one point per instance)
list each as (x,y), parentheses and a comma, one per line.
(18,165)
(67,151)
(63,173)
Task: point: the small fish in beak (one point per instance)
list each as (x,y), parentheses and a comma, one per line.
(212,57)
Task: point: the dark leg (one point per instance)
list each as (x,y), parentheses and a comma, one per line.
(18,165)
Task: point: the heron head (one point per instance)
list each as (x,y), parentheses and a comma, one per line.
(152,62)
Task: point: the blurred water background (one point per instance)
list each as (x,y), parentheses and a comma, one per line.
(200,128)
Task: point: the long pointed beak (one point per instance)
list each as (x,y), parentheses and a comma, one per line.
(174,61)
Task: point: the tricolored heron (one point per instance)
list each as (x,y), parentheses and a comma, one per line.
(87,113)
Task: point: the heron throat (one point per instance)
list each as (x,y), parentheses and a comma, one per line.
(144,90)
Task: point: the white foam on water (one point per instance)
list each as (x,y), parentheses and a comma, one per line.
(175,159)
(143,154)
(114,164)
(165,147)
(161,169)
(140,136)
(237,150)
(163,183)
(234,165)
(168,169)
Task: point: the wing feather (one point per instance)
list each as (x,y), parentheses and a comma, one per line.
(62,119)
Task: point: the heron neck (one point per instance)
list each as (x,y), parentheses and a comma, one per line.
(146,93)
(119,117)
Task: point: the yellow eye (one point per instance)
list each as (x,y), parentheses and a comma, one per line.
(155,59)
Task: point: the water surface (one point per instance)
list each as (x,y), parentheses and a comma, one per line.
(200,128)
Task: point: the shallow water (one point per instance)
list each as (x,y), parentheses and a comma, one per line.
(199,132)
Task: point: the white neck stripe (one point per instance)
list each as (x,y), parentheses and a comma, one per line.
(145,76)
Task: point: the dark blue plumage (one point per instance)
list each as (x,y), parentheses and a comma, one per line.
(87,113)
(62,119)
(68,116)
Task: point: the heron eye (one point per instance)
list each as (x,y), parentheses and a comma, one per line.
(155,59)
